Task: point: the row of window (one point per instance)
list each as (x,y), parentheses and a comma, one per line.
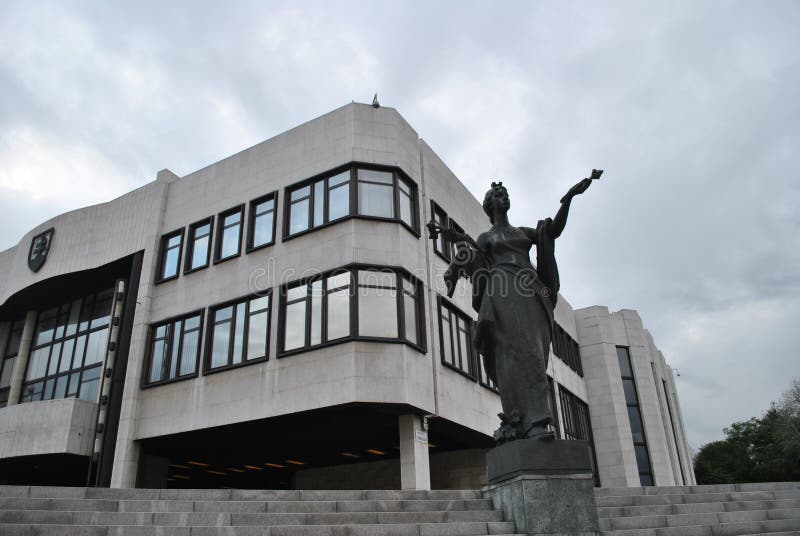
(68,348)
(567,349)
(353,191)
(352,303)
(457,350)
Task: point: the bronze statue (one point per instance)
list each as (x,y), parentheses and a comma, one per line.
(515,304)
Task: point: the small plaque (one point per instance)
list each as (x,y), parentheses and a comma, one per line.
(422,436)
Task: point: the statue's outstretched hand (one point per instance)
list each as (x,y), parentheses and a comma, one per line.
(577,189)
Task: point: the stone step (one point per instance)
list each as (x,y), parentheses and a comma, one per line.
(709,488)
(719,497)
(714,521)
(421,529)
(253,506)
(774,526)
(695,508)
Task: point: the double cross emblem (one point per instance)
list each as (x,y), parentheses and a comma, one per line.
(40,246)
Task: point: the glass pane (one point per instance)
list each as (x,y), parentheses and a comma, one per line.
(74,312)
(463,344)
(231,219)
(170,263)
(47,323)
(174,241)
(54,355)
(377,312)
(72,388)
(77,359)
(410,318)
(375,278)
(101,313)
(61,323)
(339,314)
(624,361)
(238,333)
(375,176)
(635,418)
(90,384)
(157,360)
(47,394)
(338,281)
(646,480)
(630,392)
(257,336)
(339,202)
(202,230)
(319,203)
(86,313)
(341,178)
(37,363)
(223,314)
(447,350)
(257,304)
(220,344)
(14,338)
(305,191)
(193,322)
(61,387)
(8,369)
(298,217)
(176,340)
(405,209)
(200,252)
(642,458)
(295,328)
(265,206)
(375,200)
(189,352)
(96,347)
(316,312)
(294,293)
(262,230)
(230,241)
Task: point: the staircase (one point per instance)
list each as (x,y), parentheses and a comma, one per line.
(717,510)
(61,511)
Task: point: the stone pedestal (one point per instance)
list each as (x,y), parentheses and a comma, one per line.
(544,486)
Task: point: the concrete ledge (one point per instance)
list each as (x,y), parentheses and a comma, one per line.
(63,426)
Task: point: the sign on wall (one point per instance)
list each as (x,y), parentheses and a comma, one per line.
(40,247)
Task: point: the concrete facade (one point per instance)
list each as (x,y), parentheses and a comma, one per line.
(409,381)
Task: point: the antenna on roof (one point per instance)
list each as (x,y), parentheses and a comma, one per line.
(375,103)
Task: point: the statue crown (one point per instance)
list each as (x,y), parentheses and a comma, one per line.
(497,184)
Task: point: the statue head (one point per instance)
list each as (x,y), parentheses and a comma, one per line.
(497,196)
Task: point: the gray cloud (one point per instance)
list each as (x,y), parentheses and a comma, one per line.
(690,107)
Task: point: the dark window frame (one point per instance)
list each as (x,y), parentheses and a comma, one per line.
(7,356)
(211,323)
(578,423)
(567,349)
(144,382)
(637,404)
(162,255)
(353,269)
(191,239)
(251,221)
(444,221)
(455,311)
(398,175)
(219,242)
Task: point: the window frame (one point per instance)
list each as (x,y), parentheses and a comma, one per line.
(456,312)
(209,333)
(219,242)
(162,255)
(567,349)
(352,269)
(144,383)
(437,210)
(7,356)
(251,222)
(398,175)
(190,240)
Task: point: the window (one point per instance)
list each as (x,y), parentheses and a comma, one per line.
(68,350)
(238,333)
(455,339)
(174,349)
(440,245)
(261,226)
(352,303)
(551,388)
(356,191)
(170,261)
(229,234)
(483,377)
(577,424)
(198,246)
(567,349)
(9,356)
(635,417)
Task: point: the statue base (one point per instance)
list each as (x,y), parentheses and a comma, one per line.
(544,486)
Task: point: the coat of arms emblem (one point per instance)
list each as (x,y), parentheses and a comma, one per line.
(40,246)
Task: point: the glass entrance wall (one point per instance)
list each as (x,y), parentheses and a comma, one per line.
(68,349)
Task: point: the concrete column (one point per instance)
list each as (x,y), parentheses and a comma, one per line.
(21,363)
(415,472)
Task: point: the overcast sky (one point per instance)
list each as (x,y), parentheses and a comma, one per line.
(690,107)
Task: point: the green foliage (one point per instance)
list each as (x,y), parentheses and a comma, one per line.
(757,450)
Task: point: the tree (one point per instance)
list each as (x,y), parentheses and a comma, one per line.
(756,450)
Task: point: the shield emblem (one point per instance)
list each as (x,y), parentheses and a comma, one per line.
(40,246)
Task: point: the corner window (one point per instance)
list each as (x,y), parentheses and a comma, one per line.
(440,245)
(261,226)
(455,339)
(68,349)
(170,256)
(229,234)
(198,245)
(357,191)
(567,349)
(9,356)
(353,303)
(238,333)
(174,349)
